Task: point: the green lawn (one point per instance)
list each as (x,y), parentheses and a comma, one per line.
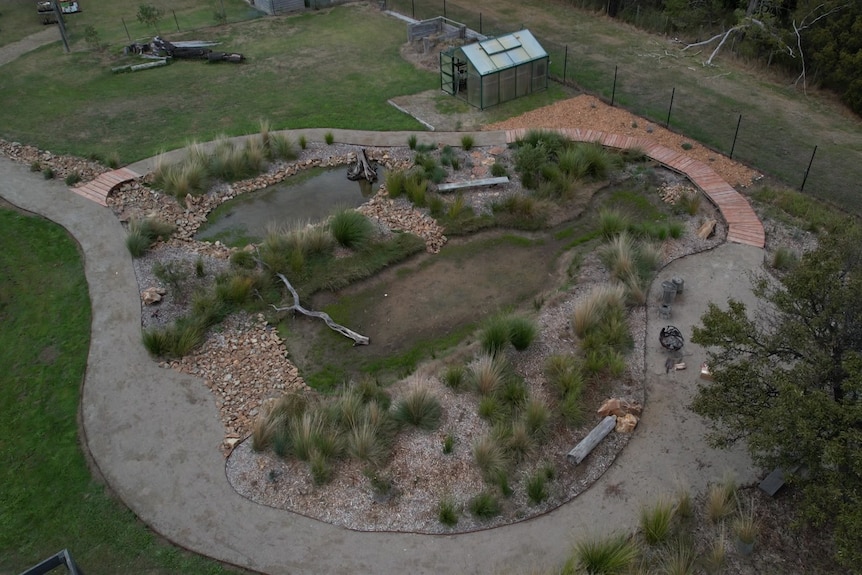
(48,499)
(317,69)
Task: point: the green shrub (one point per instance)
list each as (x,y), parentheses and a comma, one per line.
(522,332)
(303,141)
(447,512)
(73,178)
(656,521)
(675,230)
(495,334)
(456,207)
(529,160)
(199,267)
(264,429)
(484,505)
(157,341)
(467,142)
(328,138)
(144,233)
(686,146)
(137,243)
(612,223)
(436,206)
(235,290)
(280,147)
(498,170)
(208,308)
(679,557)
(416,189)
(370,390)
(720,499)
(411,141)
(537,488)
(351,229)
(513,393)
(689,202)
(520,443)
(486,374)
(305,432)
(48,173)
(35,166)
(171,274)
(600,302)
(620,256)
(453,377)
(367,443)
(321,468)
(420,408)
(564,374)
(448,443)
(613,554)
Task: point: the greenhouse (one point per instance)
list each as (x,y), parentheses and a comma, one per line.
(495,70)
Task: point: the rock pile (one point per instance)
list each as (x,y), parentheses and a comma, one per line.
(40,160)
(673,193)
(243,366)
(401,215)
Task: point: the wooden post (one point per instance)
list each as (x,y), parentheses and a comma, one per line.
(565,63)
(587,444)
(177,22)
(62,25)
(126,28)
(733,147)
(669,108)
(808,169)
(614,90)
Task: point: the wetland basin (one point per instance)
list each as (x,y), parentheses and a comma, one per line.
(308,197)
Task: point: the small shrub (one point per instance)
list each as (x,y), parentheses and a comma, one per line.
(303,141)
(690,202)
(328,138)
(675,230)
(447,512)
(199,267)
(522,332)
(416,189)
(619,256)
(411,141)
(456,207)
(498,170)
(365,442)
(73,178)
(613,554)
(35,166)
(171,274)
(513,393)
(537,488)
(656,521)
(419,408)
(684,507)
(520,442)
(280,147)
(494,335)
(137,243)
(745,525)
(48,173)
(486,374)
(484,505)
(571,410)
(321,468)
(157,341)
(467,142)
(235,290)
(686,146)
(351,229)
(265,426)
(436,205)
(305,431)
(396,183)
(716,555)
(600,302)
(453,377)
(679,558)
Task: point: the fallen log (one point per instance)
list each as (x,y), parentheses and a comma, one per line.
(362,169)
(587,444)
(357,338)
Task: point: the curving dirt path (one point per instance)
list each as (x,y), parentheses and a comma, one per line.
(154,433)
(13,51)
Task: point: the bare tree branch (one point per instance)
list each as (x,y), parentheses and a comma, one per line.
(357,338)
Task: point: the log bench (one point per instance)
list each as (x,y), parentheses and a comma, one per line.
(587,444)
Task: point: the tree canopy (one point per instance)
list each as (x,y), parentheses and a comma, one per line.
(787,379)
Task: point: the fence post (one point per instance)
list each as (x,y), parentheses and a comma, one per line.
(413,7)
(175,20)
(808,169)
(733,147)
(480,22)
(669,108)
(444,8)
(565,63)
(126,28)
(614,90)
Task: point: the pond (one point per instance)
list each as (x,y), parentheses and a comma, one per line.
(308,197)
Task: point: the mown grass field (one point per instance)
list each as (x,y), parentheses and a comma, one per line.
(318,69)
(48,499)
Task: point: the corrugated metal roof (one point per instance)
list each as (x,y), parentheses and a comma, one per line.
(504,52)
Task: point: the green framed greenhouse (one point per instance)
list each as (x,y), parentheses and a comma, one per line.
(495,70)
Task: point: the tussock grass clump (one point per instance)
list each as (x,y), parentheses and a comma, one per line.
(484,505)
(656,521)
(420,408)
(522,332)
(601,301)
(447,511)
(520,442)
(454,376)
(494,335)
(486,374)
(679,558)
(572,410)
(716,555)
(243,260)
(143,233)
(689,202)
(498,170)
(609,555)
(491,457)
(720,500)
(416,190)
(619,256)
(176,340)
(612,223)
(467,142)
(491,408)
(537,488)
(367,443)
(351,229)
(235,289)
(329,138)
(396,183)
(537,418)
(564,374)
(411,141)
(73,178)
(784,259)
